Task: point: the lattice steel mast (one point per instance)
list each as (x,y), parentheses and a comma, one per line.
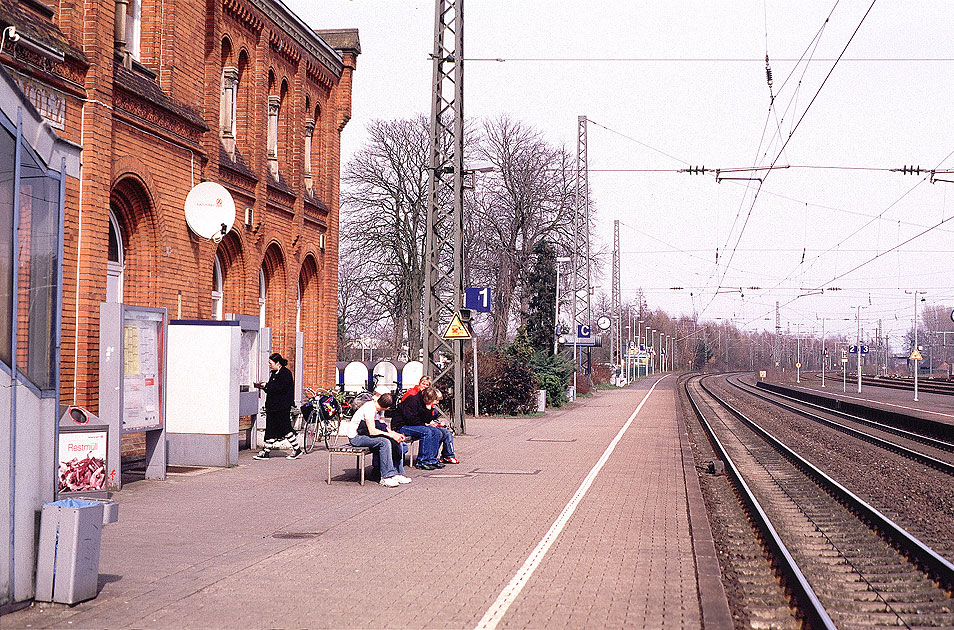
(581,253)
(444,251)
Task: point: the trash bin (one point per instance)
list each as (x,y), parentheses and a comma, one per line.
(67,569)
(541,400)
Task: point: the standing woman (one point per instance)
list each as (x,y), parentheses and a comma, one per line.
(279,398)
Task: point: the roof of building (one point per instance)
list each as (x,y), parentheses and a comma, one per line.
(342,39)
(147,89)
(33,21)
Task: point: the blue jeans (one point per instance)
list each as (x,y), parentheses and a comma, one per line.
(383,449)
(430,442)
(446,440)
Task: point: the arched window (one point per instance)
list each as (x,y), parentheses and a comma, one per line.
(228,101)
(134,28)
(310,153)
(217,284)
(284,144)
(242,96)
(115,260)
(262,291)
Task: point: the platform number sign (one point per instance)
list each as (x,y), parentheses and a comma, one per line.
(477,299)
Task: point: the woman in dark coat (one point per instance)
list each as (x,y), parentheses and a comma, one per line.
(279,398)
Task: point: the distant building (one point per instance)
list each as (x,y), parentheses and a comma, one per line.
(160,97)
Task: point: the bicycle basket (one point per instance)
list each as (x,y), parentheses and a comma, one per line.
(329,404)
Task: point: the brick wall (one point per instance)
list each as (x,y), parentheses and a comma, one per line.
(142,154)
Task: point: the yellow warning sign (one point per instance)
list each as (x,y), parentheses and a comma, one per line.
(456,329)
(916,355)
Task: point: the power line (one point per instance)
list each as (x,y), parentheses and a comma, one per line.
(705,59)
(787,140)
(637,142)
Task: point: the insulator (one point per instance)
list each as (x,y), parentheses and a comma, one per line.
(768,75)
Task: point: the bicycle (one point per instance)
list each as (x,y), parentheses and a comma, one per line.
(353,400)
(321,413)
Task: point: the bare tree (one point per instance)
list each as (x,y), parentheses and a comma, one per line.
(529,197)
(385,199)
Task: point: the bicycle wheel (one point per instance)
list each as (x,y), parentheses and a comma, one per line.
(330,431)
(310,429)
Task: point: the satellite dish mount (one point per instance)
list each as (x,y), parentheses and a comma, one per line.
(210,211)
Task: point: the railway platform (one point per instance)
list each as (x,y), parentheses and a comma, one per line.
(929,406)
(588,516)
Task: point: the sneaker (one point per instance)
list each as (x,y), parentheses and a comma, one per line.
(450,460)
(424,466)
(262,454)
(438,464)
(401,479)
(298,453)
(390,482)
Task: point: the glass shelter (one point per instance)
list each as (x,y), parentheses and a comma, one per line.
(34,166)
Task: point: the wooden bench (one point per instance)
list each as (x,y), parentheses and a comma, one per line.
(359,453)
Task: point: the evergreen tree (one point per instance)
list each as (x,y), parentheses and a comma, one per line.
(541,284)
(702,355)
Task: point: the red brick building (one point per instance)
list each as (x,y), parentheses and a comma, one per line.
(162,96)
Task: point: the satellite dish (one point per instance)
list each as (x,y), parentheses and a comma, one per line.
(210,210)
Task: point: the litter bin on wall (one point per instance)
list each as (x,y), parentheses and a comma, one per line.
(67,569)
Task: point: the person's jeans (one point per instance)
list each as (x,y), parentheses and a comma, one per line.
(398,449)
(382,447)
(430,442)
(446,440)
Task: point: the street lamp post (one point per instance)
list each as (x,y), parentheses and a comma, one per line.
(556,317)
(913,353)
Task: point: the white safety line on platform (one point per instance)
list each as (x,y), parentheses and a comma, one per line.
(882,402)
(509,594)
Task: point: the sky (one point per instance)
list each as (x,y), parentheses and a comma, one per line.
(670,85)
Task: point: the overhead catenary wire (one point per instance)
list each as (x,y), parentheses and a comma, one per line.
(789,138)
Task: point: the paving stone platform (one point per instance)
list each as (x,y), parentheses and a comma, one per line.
(269,544)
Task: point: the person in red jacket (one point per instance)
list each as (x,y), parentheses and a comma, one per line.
(423,384)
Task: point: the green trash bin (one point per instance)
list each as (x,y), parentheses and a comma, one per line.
(67,569)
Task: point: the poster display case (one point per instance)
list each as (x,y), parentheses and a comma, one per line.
(132,361)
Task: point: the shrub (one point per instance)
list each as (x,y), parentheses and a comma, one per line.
(552,373)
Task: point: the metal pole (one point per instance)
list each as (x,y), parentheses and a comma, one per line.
(798,355)
(823,353)
(639,340)
(858,348)
(915,345)
(476,406)
(556,316)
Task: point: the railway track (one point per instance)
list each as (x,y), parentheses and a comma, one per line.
(847,565)
(922,448)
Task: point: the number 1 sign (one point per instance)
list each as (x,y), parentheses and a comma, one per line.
(477,299)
